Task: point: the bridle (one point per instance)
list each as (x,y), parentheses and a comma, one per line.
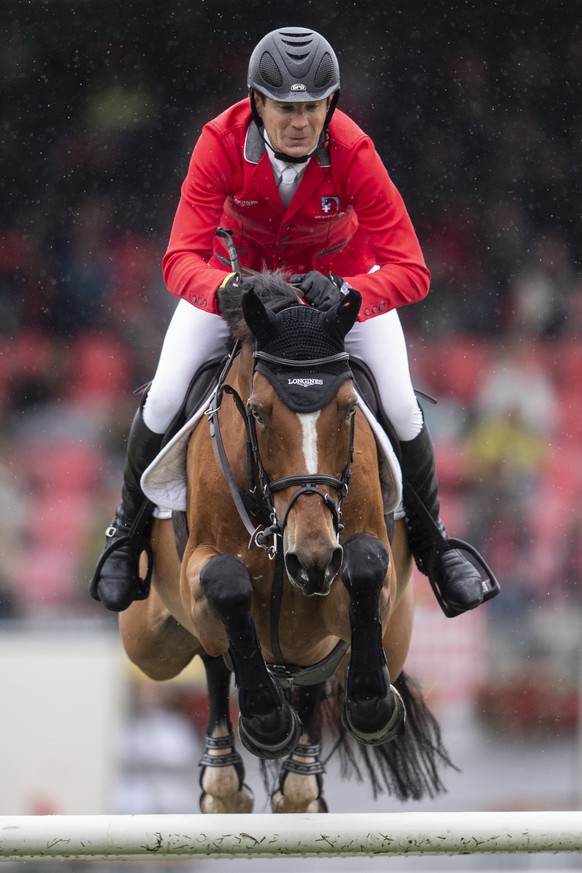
(267,534)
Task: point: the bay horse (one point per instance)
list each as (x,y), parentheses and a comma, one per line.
(290,578)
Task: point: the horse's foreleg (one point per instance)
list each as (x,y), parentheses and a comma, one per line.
(301,780)
(268,726)
(373,709)
(222,774)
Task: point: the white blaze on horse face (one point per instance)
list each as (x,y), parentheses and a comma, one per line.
(309,426)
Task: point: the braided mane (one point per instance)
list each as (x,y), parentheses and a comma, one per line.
(271,287)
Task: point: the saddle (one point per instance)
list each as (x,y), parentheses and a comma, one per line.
(203,386)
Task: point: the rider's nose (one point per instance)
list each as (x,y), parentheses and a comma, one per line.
(299,119)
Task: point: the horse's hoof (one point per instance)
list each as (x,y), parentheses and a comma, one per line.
(222,778)
(281,804)
(300,782)
(241,801)
(267,750)
(357,716)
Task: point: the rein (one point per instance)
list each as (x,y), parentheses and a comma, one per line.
(241,500)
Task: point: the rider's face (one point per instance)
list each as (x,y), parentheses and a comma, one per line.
(292,128)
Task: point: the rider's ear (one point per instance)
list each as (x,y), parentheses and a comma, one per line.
(341,318)
(261,321)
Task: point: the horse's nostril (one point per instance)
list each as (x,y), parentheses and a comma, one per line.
(313,576)
(336,560)
(293,567)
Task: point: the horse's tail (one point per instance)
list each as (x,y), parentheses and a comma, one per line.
(408,767)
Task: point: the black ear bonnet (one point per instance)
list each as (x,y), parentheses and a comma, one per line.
(303,334)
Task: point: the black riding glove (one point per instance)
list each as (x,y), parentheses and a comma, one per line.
(321,291)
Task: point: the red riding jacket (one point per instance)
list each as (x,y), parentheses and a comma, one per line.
(345,217)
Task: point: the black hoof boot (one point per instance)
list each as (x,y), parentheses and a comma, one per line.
(273,742)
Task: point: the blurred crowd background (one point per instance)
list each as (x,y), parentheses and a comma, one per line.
(475,109)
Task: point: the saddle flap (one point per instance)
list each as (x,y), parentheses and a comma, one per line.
(390,472)
(164,481)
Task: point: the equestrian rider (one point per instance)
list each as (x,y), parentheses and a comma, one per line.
(302,189)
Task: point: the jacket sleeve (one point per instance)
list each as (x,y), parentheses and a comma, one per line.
(403,276)
(185,266)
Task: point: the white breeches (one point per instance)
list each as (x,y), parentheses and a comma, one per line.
(195,336)
(379,342)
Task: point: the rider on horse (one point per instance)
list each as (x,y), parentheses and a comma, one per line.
(301,188)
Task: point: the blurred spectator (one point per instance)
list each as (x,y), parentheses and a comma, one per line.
(10,608)
(519,387)
(158,755)
(84,264)
(540,293)
(568,570)
(515,419)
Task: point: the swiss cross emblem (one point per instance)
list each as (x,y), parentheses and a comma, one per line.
(330,204)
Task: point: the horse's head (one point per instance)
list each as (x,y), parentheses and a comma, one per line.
(301,409)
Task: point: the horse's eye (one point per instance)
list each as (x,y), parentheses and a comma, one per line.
(257,415)
(351,412)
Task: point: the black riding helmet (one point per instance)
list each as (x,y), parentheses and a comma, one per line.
(294,65)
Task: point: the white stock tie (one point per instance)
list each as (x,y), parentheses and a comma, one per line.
(287,185)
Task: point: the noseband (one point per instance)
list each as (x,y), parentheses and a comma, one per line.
(266,536)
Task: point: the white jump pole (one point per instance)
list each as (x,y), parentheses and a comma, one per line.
(127,837)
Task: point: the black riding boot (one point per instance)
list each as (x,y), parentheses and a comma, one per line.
(450,573)
(116,581)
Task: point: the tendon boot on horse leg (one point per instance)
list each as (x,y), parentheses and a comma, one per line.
(222,771)
(373,710)
(268,726)
(117,581)
(456,582)
(300,786)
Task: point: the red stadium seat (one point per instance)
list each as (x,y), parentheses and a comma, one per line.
(101,368)
(61,467)
(46,578)
(61,521)
(455,369)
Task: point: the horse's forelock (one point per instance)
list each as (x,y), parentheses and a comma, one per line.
(271,288)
